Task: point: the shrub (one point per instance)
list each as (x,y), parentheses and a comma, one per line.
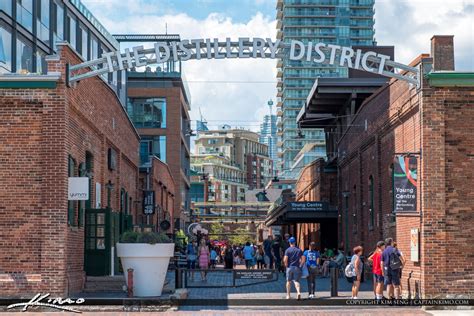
(144,238)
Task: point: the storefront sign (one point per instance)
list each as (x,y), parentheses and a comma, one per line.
(253,275)
(78,189)
(308,206)
(405,183)
(148,202)
(414,244)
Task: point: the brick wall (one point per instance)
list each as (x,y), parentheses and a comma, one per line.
(448,173)
(43,127)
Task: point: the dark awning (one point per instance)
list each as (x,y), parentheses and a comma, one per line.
(329,96)
(301,212)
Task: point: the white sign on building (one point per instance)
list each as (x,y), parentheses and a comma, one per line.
(78,189)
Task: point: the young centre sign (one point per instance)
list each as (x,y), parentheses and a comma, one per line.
(244,47)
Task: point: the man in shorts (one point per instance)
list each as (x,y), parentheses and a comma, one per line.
(391,275)
(293,261)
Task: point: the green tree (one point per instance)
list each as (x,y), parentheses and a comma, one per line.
(216,230)
(241,236)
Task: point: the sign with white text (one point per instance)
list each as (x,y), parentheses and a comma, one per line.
(78,189)
(308,206)
(245,47)
(405,183)
(148,202)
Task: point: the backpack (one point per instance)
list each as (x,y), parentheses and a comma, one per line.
(349,271)
(395,262)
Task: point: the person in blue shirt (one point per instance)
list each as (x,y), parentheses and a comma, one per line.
(293,261)
(312,262)
(213,258)
(249,253)
(191,256)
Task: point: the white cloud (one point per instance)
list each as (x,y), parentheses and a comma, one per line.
(407,24)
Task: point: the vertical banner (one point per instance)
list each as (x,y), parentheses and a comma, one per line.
(148,202)
(414,245)
(405,183)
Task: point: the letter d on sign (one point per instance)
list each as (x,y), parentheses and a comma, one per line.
(293,50)
(162,58)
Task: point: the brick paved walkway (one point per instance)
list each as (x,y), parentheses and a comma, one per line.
(270,290)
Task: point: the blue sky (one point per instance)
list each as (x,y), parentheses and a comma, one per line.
(407,24)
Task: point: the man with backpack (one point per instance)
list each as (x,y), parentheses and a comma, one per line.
(392,265)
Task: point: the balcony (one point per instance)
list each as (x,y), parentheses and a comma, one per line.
(280,93)
(279,63)
(279,104)
(279,34)
(279,113)
(279,25)
(279,73)
(279,83)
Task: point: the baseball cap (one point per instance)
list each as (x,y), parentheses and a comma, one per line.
(292,240)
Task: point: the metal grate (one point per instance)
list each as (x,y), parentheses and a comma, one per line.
(147,37)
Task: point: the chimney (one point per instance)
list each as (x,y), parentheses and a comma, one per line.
(442,52)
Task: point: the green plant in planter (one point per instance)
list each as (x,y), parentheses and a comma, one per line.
(132,237)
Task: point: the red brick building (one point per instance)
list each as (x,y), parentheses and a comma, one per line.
(160,180)
(48,132)
(433,124)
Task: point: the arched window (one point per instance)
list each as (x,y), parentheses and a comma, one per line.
(354,209)
(371,203)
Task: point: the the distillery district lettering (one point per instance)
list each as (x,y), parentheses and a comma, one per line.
(244,48)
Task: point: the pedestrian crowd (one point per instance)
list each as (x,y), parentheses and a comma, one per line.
(283,255)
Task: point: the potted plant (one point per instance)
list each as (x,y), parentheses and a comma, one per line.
(148,254)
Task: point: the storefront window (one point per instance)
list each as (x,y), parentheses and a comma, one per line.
(24,58)
(5,50)
(148,112)
(24,13)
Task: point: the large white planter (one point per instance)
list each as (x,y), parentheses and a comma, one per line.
(149,264)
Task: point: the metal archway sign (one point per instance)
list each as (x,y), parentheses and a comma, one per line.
(197,49)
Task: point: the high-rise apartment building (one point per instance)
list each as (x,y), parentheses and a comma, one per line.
(268,132)
(341,22)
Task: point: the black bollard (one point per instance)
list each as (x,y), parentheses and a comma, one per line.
(178,276)
(334,279)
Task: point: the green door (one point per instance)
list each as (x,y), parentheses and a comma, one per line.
(97,242)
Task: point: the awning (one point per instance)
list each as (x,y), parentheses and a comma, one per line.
(301,212)
(329,96)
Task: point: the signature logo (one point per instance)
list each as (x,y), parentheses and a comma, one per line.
(43,300)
